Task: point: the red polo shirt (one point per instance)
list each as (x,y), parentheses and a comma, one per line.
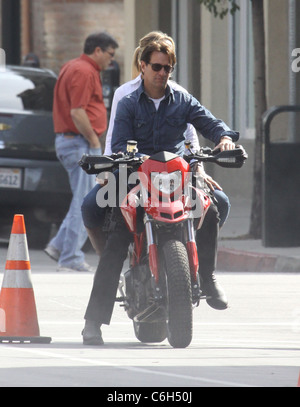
(79,86)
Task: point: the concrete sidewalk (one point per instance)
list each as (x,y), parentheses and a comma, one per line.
(237,253)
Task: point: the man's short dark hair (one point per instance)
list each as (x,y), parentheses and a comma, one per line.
(102,40)
(160,45)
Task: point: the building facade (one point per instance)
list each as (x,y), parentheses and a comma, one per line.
(55,30)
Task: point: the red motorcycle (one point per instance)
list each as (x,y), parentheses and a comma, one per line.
(164,208)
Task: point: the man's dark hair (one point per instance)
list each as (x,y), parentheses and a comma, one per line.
(160,45)
(102,40)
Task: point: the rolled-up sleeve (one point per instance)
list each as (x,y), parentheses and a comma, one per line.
(210,127)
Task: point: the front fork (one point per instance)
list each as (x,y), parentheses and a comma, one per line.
(192,256)
(191,247)
(152,249)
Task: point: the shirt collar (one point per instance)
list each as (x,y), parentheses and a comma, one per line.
(86,58)
(168,93)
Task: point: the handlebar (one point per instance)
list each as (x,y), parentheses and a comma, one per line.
(227,158)
(94,164)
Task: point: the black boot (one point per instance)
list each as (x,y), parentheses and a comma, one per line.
(207,242)
(215,295)
(92,334)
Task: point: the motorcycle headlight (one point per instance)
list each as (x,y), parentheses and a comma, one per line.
(165,182)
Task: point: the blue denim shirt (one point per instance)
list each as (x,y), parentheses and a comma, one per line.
(163,129)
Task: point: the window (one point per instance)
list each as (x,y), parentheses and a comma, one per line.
(26,90)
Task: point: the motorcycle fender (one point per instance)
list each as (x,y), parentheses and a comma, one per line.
(193,259)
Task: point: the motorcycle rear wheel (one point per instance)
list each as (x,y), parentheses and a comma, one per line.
(178,293)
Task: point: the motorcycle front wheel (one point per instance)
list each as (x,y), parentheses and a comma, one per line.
(174,260)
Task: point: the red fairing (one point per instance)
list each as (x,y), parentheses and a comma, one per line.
(138,248)
(172,212)
(128,208)
(204,201)
(167,208)
(177,164)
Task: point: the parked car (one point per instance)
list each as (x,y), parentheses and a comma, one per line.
(32,180)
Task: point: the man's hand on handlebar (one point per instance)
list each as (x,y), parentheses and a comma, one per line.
(225,144)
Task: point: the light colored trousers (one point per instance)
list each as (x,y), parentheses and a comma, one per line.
(72,234)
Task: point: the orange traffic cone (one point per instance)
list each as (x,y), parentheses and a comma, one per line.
(18,316)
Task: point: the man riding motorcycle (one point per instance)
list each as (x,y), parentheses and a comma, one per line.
(156,116)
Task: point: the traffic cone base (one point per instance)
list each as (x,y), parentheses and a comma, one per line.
(25,339)
(18,299)
(18,316)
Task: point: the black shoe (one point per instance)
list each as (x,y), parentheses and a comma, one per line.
(92,334)
(215,295)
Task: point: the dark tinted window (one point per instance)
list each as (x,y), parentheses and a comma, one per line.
(26,89)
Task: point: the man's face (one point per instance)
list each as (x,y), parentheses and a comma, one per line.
(104,57)
(155,81)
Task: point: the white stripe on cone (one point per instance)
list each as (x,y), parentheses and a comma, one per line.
(17,279)
(17,248)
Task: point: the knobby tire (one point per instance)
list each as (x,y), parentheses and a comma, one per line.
(179,293)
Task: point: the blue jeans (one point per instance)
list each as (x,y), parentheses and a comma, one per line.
(223,205)
(72,234)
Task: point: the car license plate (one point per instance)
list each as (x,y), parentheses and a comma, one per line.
(10,178)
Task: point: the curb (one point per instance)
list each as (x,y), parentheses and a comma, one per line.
(237,260)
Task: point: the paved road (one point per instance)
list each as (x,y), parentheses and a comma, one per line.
(256,342)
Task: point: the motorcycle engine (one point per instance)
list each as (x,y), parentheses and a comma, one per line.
(138,289)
